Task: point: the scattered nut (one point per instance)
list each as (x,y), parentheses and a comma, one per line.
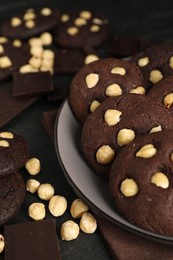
(35,41)
(94,105)
(160,180)
(80,21)
(138,90)
(147,151)
(30,24)
(69,230)
(46,11)
(112,116)
(90,58)
(78,207)
(65,18)
(95,28)
(156,129)
(3,39)
(98,21)
(113,90)
(15,21)
(125,136)
(17,43)
(32,185)
(171,62)
(142,62)
(88,223)
(37,211)
(36,51)
(168,100)
(33,166)
(105,154)
(27,68)
(48,54)
(57,205)
(1,49)
(7,135)
(85,14)
(35,62)
(4,143)
(5,62)
(72,31)
(92,80)
(2,243)
(46,38)
(155,76)
(29,16)
(129,187)
(118,70)
(45,191)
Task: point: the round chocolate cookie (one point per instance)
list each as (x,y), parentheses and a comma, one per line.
(12,194)
(100,80)
(141,182)
(116,123)
(81,28)
(163,92)
(14,153)
(30,22)
(155,62)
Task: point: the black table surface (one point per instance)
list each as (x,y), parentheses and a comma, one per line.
(152,19)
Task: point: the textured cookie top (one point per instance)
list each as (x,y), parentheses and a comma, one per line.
(155,62)
(117,122)
(163,92)
(30,22)
(81,28)
(141,182)
(100,80)
(12,194)
(13,153)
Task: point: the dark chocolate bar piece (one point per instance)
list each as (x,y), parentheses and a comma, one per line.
(11,106)
(32,240)
(32,83)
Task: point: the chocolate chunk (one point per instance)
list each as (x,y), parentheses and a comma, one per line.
(32,83)
(11,106)
(12,194)
(32,240)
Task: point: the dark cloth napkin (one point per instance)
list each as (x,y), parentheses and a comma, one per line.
(123,245)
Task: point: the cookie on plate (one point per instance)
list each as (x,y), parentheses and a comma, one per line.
(100,80)
(154,62)
(77,29)
(141,182)
(163,92)
(12,194)
(14,153)
(116,123)
(30,22)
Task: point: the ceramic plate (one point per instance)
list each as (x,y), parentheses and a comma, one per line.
(87,185)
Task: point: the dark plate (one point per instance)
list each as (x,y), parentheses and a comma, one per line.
(87,185)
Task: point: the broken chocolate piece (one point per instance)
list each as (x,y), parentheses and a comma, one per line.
(32,83)
(32,240)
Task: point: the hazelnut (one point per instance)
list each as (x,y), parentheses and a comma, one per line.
(78,207)
(32,185)
(17,43)
(147,151)
(92,80)
(72,31)
(138,90)
(160,180)
(48,54)
(129,187)
(7,135)
(29,16)
(46,11)
(95,28)
(30,24)
(80,21)
(105,154)
(65,18)
(35,62)
(168,100)
(35,41)
(57,205)
(1,49)
(37,211)
(113,90)
(94,105)
(36,50)
(45,191)
(171,62)
(33,166)
(2,243)
(46,38)
(156,129)
(4,143)
(5,62)
(171,157)
(27,68)
(3,39)
(112,116)
(125,136)
(90,58)
(69,230)
(155,76)
(15,21)
(118,70)
(88,223)
(142,62)
(85,14)
(98,21)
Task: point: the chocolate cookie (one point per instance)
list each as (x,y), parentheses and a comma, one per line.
(117,122)
(163,92)
(154,63)
(81,28)
(30,22)
(141,182)
(13,153)
(12,194)
(100,80)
